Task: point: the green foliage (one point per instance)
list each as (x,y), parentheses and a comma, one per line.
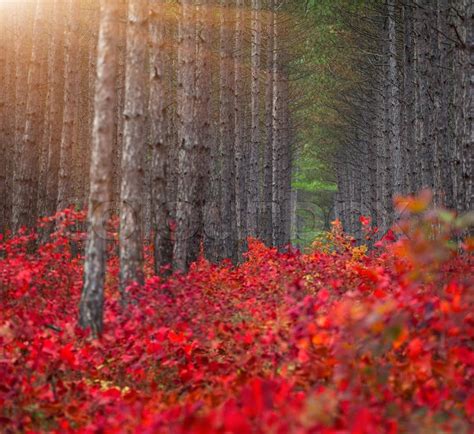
(321,71)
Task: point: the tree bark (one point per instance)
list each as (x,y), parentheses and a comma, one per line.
(4,148)
(92,299)
(239,132)
(160,112)
(26,173)
(71,100)
(226,120)
(281,152)
(55,107)
(265,220)
(394,101)
(187,213)
(253,179)
(131,194)
(205,143)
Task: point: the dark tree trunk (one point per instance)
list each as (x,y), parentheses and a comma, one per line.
(265,220)
(226,119)
(187,212)
(253,179)
(160,114)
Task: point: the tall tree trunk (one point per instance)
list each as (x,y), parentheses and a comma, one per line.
(26,174)
(4,149)
(10,109)
(205,143)
(71,101)
(226,120)
(187,224)
(56,101)
(394,101)
(425,90)
(212,206)
(265,220)
(409,100)
(92,60)
(92,299)
(253,181)
(442,127)
(131,194)
(280,218)
(121,38)
(469,143)
(239,132)
(160,112)
(23,37)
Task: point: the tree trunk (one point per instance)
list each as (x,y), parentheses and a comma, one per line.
(239,132)
(265,221)
(187,214)
(92,299)
(4,148)
(131,194)
(55,107)
(119,116)
(409,100)
(226,120)
(23,38)
(26,174)
(394,102)
(280,139)
(160,112)
(253,181)
(205,143)
(71,101)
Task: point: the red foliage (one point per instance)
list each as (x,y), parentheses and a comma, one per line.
(332,341)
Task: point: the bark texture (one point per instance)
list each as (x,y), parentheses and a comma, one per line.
(92,299)
(134,143)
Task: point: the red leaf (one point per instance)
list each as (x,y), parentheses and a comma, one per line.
(415,348)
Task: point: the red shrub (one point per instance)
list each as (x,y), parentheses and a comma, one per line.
(332,341)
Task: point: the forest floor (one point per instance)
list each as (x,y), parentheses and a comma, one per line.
(334,340)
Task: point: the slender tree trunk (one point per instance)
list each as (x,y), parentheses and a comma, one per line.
(131,194)
(212,207)
(394,101)
(26,174)
(226,120)
(279,137)
(160,112)
(4,150)
(10,121)
(92,299)
(92,60)
(23,38)
(187,224)
(119,117)
(239,131)
(265,221)
(442,100)
(287,162)
(409,100)
(253,190)
(71,101)
(56,101)
(469,143)
(424,83)
(205,143)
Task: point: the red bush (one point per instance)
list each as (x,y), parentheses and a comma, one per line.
(332,341)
